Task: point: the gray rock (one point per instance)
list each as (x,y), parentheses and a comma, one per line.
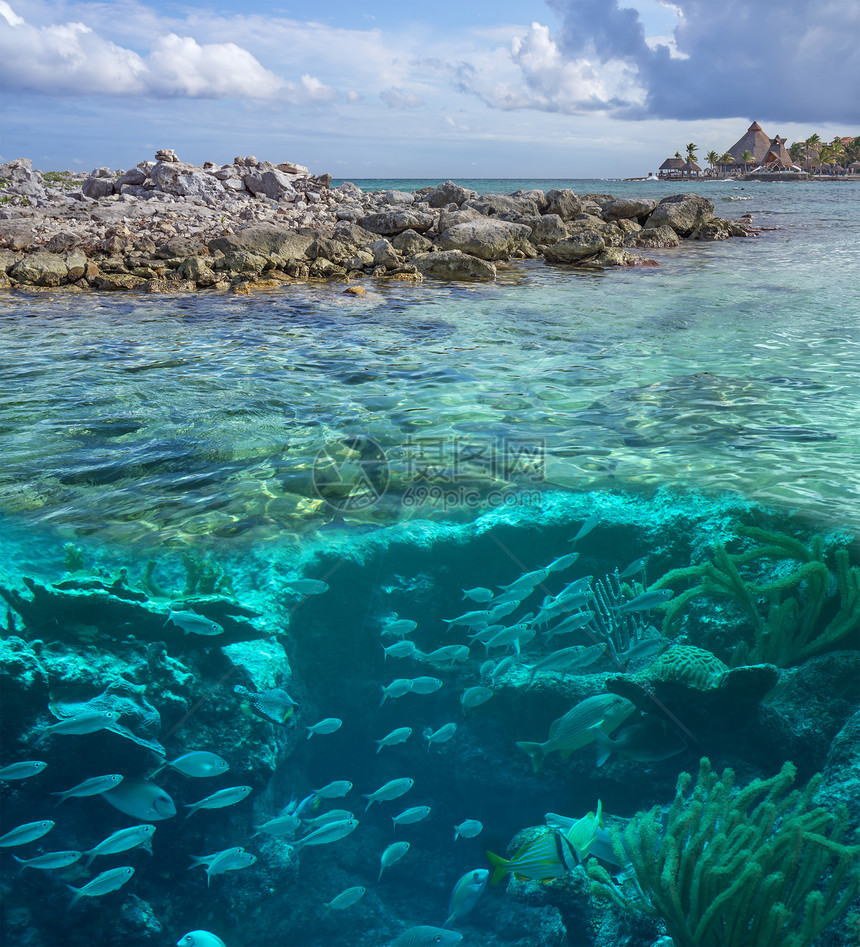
(505,207)
(626,208)
(564,203)
(7,260)
(487,239)
(76,265)
(448,193)
(586,244)
(397,197)
(409,243)
(656,238)
(64,240)
(682,212)
(453,265)
(614,256)
(96,187)
(450,218)
(612,234)
(389,223)
(385,255)
(277,244)
(132,176)
(179,246)
(716,229)
(547,230)
(41,269)
(273,184)
(185,180)
(198,269)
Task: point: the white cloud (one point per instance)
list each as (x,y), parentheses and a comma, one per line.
(72,59)
(397,98)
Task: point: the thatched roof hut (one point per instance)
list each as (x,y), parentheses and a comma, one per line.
(672,164)
(690,168)
(777,157)
(755,141)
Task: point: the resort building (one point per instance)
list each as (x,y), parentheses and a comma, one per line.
(755,143)
(671,169)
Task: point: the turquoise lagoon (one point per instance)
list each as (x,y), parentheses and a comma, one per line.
(402,446)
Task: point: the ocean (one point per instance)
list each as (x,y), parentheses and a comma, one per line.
(306,469)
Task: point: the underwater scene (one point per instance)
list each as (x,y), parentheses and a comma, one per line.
(520,614)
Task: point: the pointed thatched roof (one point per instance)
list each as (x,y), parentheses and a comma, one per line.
(691,166)
(777,154)
(672,164)
(755,141)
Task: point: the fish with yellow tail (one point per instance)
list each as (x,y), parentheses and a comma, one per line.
(540,859)
(577,727)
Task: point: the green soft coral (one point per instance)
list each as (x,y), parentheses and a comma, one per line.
(744,868)
(806,610)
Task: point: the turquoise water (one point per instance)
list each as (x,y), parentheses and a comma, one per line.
(400,446)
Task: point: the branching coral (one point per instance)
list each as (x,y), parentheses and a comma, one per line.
(746,868)
(795,614)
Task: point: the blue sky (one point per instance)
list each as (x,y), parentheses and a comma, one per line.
(508,88)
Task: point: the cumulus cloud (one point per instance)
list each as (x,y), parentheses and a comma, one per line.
(778,60)
(72,59)
(397,98)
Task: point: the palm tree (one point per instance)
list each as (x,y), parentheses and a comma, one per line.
(825,157)
(713,159)
(691,151)
(837,151)
(852,150)
(796,151)
(747,157)
(727,158)
(813,141)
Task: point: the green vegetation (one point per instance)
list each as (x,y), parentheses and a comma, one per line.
(737,868)
(800,600)
(202,577)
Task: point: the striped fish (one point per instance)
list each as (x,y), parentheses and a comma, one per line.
(539,859)
(576,728)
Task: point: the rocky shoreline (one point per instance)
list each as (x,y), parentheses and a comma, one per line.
(168,226)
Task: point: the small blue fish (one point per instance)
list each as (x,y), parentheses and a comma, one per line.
(94,786)
(22,770)
(121,841)
(329,725)
(49,860)
(197,763)
(391,856)
(468,829)
(345,899)
(400,735)
(192,623)
(28,832)
(104,883)
(306,586)
(220,800)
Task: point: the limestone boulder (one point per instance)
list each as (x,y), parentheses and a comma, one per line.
(582,245)
(682,212)
(273,184)
(627,208)
(76,264)
(563,202)
(614,256)
(186,180)
(390,223)
(547,230)
(505,207)
(656,238)
(64,240)
(134,176)
(716,229)
(385,255)
(41,269)
(409,243)
(449,218)
(276,244)
(487,239)
(453,265)
(612,234)
(178,247)
(96,187)
(448,193)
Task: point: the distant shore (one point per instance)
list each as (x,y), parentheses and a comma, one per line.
(168,226)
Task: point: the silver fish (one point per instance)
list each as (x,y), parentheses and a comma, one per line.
(49,860)
(448,655)
(646,601)
(636,566)
(94,786)
(516,635)
(28,832)
(142,800)
(393,789)
(220,800)
(392,855)
(200,939)
(193,624)
(426,936)
(563,562)
(399,627)
(442,735)
(121,841)
(230,859)
(566,660)
(503,667)
(402,649)
(325,834)
(345,899)
(466,893)
(275,704)
(90,721)
(197,763)
(334,790)
(425,685)
(284,826)
(646,742)
(475,696)
(468,829)
(307,586)
(478,594)
(474,619)
(411,816)
(400,735)
(505,608)
(569,624)
(586,527)
(333,815)
(526,582)
(328,725)
(22,770)
(484,634)
(104,883)
(644,648)
(397,688)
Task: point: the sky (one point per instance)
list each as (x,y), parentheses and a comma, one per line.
(452,89)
